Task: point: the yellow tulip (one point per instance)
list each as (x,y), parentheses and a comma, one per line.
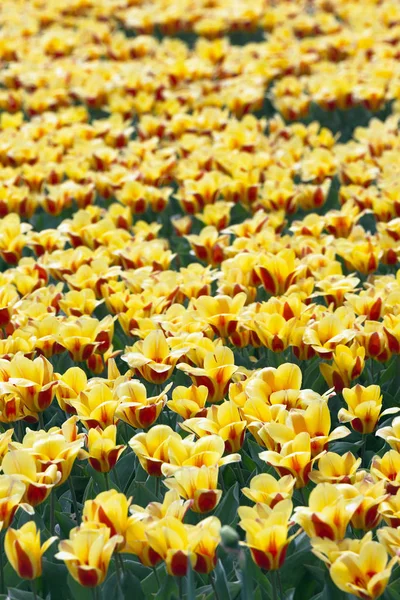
(390,508)
(387,468)
(389,537)
(110,509)
(365,573)
(169,539)
(364,405)
(223,420)
(33,380)
(198,484)
(265,489)
(391,434)
(103,451)
(295,458)
(96,405)
(152,447)
(51,448)
(329,511)
(188,401)
(70,385)
(348,364)
(12,491)
(22,464)
(24,550)
(218,368)
(153,358)
(267,533)
(221,312)
(367,514)
(87,553)
(135,407)
(336,468)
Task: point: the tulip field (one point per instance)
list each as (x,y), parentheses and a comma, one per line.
(199,299)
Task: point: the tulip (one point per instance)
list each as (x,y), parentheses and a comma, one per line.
(87,553)
(391,434)
(188,401)
(135,407)
(86,335)
(330,550)
(220,312)
(374,338)
(96,406)
(12,491)
(329,511)
(70,385)
(198,484)
(223,420)
(390,508)
(51,448)
(330,331)
(267,533)
(364,574)
(153,358)
(204,539)
(110,509)
(295,458)
(387,468)
(277,272)
(348,364)
(39,484)
(265,489)
(218,368)
(336,468)
(152,447)
(24,551)
(389,537)
(207,451)
(172,506)
(169,539)
(364,408)
(209,245)
(33,380)
(103,451)
(367,514)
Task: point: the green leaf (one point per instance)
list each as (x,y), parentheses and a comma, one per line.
(227,509)
(190,584)
(169,589)
(221,582)
(78,592)
(65,523)
(15,594)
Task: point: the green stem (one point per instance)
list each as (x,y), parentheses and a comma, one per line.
(2,587)
(116,477)
(41,420)
(363,449)
(240,475)
(117,572)
(95,593)
(180,585)
(278,576)
(157,487)
(274,588)
(131,478)
(52,511)
(303,499)
(211,578)
(107,481)
(121,562)
(74,501)
(33,588)
(156,576)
